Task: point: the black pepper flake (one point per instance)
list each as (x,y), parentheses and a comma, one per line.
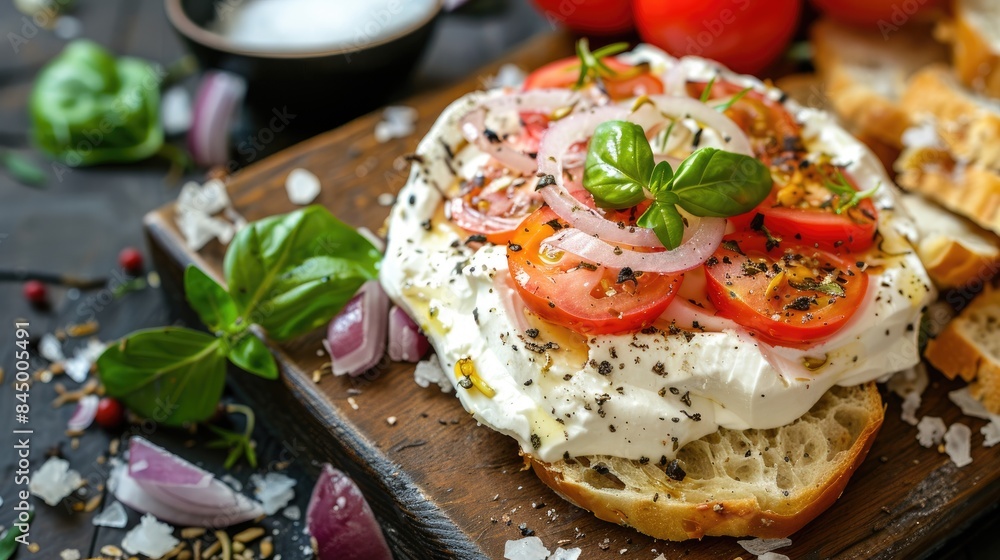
(427,225)
(545,181)
(476,238)
(552,304)
(712,261)
(536,441)
(554,224)
(727,260)
(465,382)
(663,460)
(686,398)
(604,368)
(697,138)
(747,454)
(475,314)
(529,382)
(601,468)
(643,460)
(566,455)
(611,427)
(656,497)
(602,399)
(514,247)
(659,368)
(802,303)
(533,333)
(731,245)
(525,531)
(492,136)
(675,471)
(412,200)
(675,391)
(625,275)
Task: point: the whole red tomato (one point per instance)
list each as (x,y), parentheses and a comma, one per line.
(595,17)
(745,35)
(887,15)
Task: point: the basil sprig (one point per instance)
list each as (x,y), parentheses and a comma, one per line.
(289,274)
(620,172)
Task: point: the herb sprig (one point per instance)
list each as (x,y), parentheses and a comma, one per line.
(847,196)
(620,172)
(592,65)
(288,274)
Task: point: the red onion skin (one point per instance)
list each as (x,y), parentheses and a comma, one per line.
(406,343)
(347,531)
(356,337)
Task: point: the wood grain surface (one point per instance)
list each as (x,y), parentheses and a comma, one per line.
(444,487)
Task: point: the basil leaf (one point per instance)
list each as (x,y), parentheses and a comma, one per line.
(716,183)
(170,375)
(210,300)
(250,354)
(660,181)
(830,287)
(619,164)
(8,542)
(666,222)
(290,274)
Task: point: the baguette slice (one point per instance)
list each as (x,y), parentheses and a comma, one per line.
(975,36)
(866,73)
(969,347)
(954,251)
(969,125)
(968,190)
(763,483)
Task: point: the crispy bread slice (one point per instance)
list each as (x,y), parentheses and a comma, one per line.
(969,347)
(975,38)
(954,251)
(970,190)
(763,483)
(866,73)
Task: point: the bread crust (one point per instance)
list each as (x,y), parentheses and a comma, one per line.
(676,519)
(953,265)
(973,193)
(976,63)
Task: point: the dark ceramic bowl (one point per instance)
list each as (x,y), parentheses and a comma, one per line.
(327,85)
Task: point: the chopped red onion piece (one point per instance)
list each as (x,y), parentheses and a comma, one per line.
(357,335)
(164,485)
(216,103)
(406,343)
(342,522)
(86,411)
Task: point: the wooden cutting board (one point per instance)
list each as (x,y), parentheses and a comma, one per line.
(444,487)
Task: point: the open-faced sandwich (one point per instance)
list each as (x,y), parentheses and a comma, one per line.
(670,284)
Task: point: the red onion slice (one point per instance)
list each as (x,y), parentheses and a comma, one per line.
(83,416)
(171,489)
(356,337)
(219,96)
(473,124)
(342,522)
(665,106)
(406,343)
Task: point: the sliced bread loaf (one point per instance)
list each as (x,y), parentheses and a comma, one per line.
(975,37)
(763,483)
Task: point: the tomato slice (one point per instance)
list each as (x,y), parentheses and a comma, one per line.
(493,207)
(631,81)
(804,209)
(586,298)
(772,130)
(791,294)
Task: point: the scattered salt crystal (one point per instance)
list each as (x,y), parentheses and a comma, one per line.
(54,481)
(930,430)
(386,199)
(274,491)
(970,405)
(175,111)
(430,371)
(150,537)
(302,186)
(991,432)
(958,443)
(763,546)
(375,240)
(397,122)
(114,516)
(566,554)
(70,554)
(68,28)
(293,513)
(209,198)
(529,548)
(509,75)
(772,556)
(78,367)
(199,228)
(50,348)
(232,482)
(909,408)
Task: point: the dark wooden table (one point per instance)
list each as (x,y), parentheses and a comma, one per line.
(77,225)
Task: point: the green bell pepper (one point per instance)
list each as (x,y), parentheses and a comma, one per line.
(88,107)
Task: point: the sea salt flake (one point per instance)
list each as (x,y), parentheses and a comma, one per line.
(930,430)
(50,348)
(991,432)
(303,186)
(397,122)
(772,556)
(175,111)
(198,228)
(150,537)
(508,75)
(68,28)
(911,402)
(292,513)
(209,198)
(910,380)
(430,371)
(114,516)
(763,546)
(970,405)
(958,444)
(70,554)
(232,482)
(274,491)
(566,554)
(78,367)
(528,548)
(54,481)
